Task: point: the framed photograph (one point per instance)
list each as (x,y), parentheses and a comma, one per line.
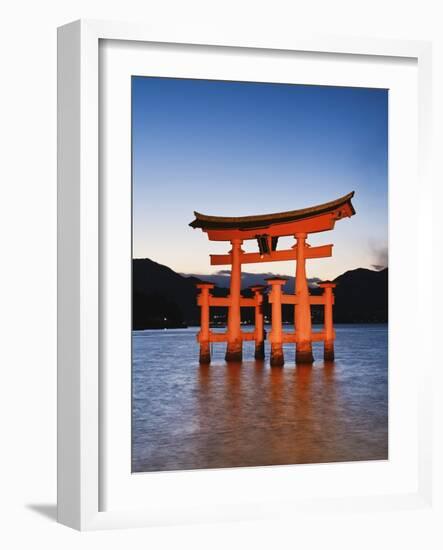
(238,335)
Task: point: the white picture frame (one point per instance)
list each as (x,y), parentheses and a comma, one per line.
(80,263)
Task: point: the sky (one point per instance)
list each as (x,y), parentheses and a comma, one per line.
(241,148)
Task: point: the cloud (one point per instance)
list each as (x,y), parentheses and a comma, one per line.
(380,256)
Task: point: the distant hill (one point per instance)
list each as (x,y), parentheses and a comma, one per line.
(361,296)
(163,298)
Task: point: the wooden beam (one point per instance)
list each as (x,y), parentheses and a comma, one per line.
(223,336)
(250,302)
(220,302)
(319,300)
(247,302)
(293,299)
(248,336)
(324,251)
(287,337)
(225,301)
(292,337)
(218,336)
(316,300)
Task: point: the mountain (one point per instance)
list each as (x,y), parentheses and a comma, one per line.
(361,296)
(163,298)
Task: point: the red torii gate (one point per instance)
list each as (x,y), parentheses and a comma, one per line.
(266,229)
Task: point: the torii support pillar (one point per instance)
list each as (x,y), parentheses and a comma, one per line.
(276,336)
(328,353)
(203,335)
(234,349)
(259,322)
(303,324)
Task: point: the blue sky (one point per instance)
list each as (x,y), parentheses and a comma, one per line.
(238,148)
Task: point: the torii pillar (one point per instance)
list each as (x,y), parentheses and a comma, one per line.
(302,314)
(276,335)
(259,322)
(328,287)
(234,349)
(204,334)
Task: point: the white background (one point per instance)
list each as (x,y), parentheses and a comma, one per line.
(28,274)
(200,490)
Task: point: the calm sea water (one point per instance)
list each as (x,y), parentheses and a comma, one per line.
(187,416)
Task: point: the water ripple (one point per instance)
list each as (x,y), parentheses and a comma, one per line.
(187,416)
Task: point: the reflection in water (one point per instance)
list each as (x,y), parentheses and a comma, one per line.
(187,415)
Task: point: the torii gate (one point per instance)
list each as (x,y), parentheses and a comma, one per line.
(266,229)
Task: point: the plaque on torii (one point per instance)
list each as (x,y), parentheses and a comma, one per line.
(266,230)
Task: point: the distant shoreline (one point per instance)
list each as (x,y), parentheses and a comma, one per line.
(164,299)
(181,327)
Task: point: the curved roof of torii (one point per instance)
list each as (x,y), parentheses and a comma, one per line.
(205,222)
